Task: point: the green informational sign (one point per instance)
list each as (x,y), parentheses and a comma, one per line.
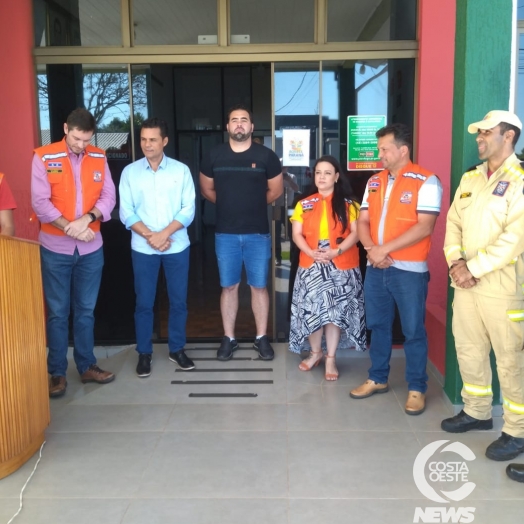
(362,142)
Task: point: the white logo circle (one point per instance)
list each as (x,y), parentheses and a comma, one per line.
(442,470)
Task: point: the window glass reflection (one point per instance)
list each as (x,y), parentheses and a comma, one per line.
(354,20)
(77,23)
(272,21)
(175,22)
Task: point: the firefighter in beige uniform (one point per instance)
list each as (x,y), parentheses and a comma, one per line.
(484,248)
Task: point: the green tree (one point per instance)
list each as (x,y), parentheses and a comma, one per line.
(118,125)
(103,91)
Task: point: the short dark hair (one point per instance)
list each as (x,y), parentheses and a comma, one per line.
(401,135)
(240,107)
(81,119)
(154,122)
(504,126)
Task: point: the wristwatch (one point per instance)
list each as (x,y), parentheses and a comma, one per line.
(339,252)
(93,217)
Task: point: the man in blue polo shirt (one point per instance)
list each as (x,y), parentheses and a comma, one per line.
(157,202)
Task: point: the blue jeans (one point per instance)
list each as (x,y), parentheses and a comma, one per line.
(71,282)
(253,250)
(383,288)
(145,269)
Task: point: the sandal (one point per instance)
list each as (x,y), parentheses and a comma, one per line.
(304,366)
(331,376)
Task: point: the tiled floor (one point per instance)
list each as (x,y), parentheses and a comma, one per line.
(144,452)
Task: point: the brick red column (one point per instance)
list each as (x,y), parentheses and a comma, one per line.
(18,112)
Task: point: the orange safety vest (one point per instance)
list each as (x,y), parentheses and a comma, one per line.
(312,214)
(402,209)
(55,157)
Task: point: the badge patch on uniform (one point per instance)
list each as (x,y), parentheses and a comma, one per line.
(465,195)
(97,176)
(374,191)
(54,170)
(374,184)
(405,197)
(501,188)
(307,207)
(55,164)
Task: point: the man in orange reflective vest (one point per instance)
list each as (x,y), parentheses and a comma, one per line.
(7,204)
(398,213)
(484,248)
(72,192)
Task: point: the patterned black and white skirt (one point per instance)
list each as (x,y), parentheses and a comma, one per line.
(323,294)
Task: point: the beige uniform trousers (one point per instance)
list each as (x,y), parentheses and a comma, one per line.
(479,323)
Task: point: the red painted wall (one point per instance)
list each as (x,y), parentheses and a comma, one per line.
(433,146)
(18,115)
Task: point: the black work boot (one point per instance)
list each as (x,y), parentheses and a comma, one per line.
(463,422)
(505,447)
(515,472)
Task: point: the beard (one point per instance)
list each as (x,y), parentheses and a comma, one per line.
(240,136)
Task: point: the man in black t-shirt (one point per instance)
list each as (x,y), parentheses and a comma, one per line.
(242,178)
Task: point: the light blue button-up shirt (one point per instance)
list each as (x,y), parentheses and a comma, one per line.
(156,199)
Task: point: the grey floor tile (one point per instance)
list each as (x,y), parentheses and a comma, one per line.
(488,475)
(129,391)
(300,393)
(92,465)
(143,451)
(207,511)
(346,464)
(395,511)
(108,418)
(66,511)
(351,511)
(220,464)
(262,417)
(11,485)
(339,412)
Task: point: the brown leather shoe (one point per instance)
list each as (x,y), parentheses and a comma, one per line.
(57,386)
(367,389)
(416,403)
(95,374)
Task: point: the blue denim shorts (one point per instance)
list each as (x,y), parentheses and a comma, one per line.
(253,250)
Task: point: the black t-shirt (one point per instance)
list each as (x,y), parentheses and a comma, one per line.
(241,187)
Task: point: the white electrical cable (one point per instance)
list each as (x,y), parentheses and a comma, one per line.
(26,483)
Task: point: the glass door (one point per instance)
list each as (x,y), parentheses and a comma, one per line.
(297,131)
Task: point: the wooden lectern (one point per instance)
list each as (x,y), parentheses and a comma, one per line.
(24,393)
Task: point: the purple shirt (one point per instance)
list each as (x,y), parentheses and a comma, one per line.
(47,212)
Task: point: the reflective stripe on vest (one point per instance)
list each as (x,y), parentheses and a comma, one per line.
(516,315)
(513,406)
(448,250)
(477,391)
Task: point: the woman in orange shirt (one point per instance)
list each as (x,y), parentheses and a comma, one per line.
(328,297)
